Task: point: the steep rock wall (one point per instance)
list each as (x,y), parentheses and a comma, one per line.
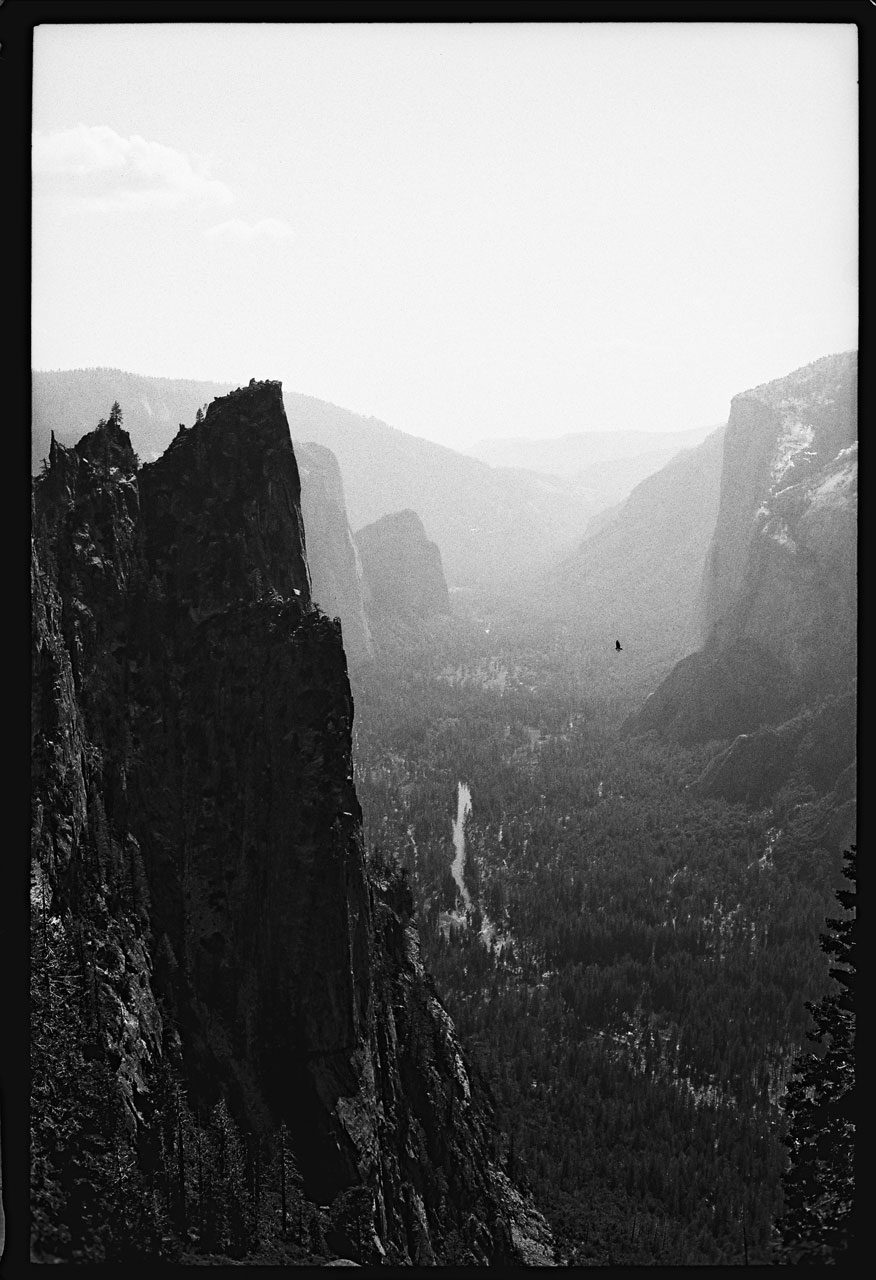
(780,584)
(196,828)
(782,565)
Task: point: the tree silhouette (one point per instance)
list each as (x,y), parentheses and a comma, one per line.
(819,1185)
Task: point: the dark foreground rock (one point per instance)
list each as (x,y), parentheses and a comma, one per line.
(245,997)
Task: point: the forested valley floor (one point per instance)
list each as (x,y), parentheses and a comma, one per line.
(632,974)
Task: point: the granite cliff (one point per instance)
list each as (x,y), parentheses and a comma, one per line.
(782,567)
(402,574)
(779,594)
(201,893)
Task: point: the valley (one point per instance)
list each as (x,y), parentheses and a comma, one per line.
(444,614)
(627,961)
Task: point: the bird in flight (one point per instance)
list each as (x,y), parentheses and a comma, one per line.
(618,646)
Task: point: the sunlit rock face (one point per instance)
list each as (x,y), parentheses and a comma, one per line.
(782,569)
(779,595)
(196,827)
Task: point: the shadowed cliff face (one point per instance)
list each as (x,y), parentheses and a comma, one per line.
(195,821)
(335,568)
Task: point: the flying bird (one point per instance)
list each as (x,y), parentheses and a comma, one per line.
(618,645)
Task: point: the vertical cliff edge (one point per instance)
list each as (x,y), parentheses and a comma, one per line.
(779,593)
(775,683)
(208,939)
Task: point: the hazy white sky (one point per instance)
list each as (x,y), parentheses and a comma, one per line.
(465,230)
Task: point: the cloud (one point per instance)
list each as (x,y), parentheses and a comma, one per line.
(245,232)
(96,168)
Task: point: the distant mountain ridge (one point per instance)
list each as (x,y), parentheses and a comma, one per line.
(581,453)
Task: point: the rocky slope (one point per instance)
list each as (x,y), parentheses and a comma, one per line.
(402,574)
(197,845)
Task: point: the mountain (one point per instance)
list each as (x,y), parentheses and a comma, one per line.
(782,567)
(69,402)
(335,567)
(492,525)
(590,456)
(779,592)
(637,574)
(401,571)
(233,1029)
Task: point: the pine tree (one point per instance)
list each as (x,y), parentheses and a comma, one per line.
(819,1185)
(227,1201)
(88,1199)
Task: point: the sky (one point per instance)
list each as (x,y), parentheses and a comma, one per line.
(465,230)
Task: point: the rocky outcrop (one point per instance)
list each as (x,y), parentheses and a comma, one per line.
(779,598)
(68,402)
(335,568)
(197,837)
(401,570)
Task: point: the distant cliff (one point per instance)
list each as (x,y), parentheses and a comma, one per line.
(779,594)
(246,1020)
(782,567)
(335,568)
(402,572)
